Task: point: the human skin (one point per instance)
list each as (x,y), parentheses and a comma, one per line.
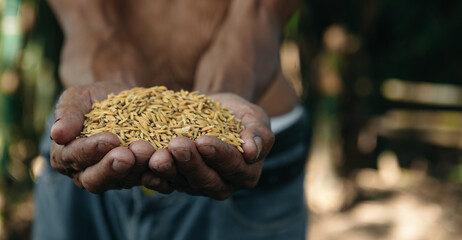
(228,50)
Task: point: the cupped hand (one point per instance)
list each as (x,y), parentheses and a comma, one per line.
(210,167)
(96,163)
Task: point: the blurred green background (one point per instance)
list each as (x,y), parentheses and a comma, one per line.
(383,82)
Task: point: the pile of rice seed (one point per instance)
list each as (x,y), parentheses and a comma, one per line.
(157,115)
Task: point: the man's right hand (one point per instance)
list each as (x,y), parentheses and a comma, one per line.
(97,163)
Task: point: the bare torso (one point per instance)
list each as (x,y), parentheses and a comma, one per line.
(153,42)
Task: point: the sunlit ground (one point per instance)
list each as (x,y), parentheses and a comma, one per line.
(390,204)
(387,203)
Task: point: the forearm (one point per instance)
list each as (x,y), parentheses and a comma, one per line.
(95,49)
(92,18)
(244,57)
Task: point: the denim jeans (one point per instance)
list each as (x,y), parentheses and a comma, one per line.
(275,209)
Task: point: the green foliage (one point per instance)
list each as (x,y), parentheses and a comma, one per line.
(28,88)
(291,29)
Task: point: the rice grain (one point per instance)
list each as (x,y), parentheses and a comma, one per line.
(157,115)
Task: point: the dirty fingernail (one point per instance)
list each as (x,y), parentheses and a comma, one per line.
(207,150)
(104,147)
(259,145)
(120,166)
(183,155)
(142,157)
(163,167)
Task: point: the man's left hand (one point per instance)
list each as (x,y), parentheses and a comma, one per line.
(210,167)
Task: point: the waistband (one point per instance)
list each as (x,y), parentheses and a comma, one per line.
(288,156)
(280,123)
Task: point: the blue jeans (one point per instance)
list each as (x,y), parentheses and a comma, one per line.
(275,209)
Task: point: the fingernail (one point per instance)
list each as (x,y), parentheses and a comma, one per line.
(120,166)
(207,150)
(259,145)
(163,167)
(104,147)
(142,157)
(183,155)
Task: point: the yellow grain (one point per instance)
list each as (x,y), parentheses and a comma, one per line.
(158,115)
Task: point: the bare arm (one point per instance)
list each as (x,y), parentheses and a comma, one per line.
(96,48)
(244,57)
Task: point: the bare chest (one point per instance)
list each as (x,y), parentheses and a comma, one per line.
(159,42)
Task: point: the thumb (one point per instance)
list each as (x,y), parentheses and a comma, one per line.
(70,112)
(74,103)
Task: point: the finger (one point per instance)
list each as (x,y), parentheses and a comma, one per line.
(70,112)
(257,135)
(72,106)
(156,183)
(109,172)
(163,165)
(258,141)
(142,150)
(228,162)
(189,163)
(82,152)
